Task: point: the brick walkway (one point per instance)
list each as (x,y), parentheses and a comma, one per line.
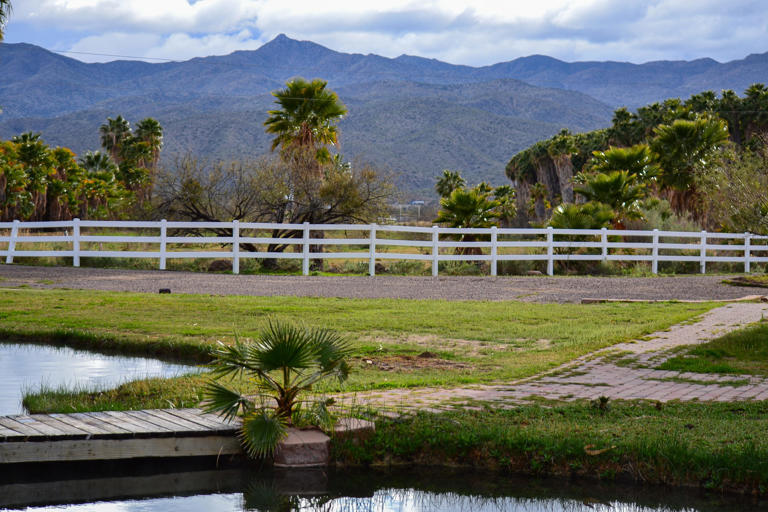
(623,371)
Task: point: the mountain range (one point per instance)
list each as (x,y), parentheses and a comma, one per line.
(413,115)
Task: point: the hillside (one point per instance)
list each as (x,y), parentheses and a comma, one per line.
(413,115)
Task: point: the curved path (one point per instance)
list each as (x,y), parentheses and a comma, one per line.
(597,374)
(528,289)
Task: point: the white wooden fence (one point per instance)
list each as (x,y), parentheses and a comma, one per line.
(372,242)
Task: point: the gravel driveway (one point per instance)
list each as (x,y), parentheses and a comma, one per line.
(528,289)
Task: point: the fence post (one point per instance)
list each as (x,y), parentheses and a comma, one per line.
(163,242)
(747,254)
(703,252)
(305,250)
(75,242)
(435,250)
(235,247)
(604,242)
(655,252)
(494,249)
(372,251)
(550,252)
(12,242)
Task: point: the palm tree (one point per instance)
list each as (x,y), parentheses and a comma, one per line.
(618,189)
(468,209)
(96,161)
(285,361)
(683,148)
(560,149)
(303,127)
(592,215)
(637,160)
(306,118)
(448,182)
(150,132)
(114,134)
(5,13)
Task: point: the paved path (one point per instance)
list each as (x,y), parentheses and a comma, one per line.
(597,374)
(528,289)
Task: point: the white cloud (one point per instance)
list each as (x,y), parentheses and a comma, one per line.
(469,32)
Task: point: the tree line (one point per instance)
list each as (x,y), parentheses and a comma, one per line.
(41,183)
(703,159)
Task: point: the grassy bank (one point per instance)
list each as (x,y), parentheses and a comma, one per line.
(715,446)
(396,343)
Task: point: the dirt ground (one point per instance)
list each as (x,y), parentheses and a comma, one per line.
(541,289)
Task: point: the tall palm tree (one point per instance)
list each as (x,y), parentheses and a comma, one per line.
(150,132)
(682,148)
(5,13)
(306,118)
(114,133)
(560,149)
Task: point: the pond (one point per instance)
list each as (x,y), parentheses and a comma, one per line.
(29,366)
(349,491)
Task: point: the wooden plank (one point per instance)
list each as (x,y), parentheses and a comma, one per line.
(24,428)
(7,432)
(155,420)
(45,428)
(107,423)
(183,425)
(209,420)
(65,428)
(133,427)
(136,424)
(97,423)
(117,449)
(70,419)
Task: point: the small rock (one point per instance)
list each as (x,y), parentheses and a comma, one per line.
(164,290)
(533,273)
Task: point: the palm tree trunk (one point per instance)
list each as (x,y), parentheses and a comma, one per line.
(564,170)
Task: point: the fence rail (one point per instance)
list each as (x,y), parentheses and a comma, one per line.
(372,242)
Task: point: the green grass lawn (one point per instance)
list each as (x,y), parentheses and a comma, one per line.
(740,352)
(718,446)
(397,343)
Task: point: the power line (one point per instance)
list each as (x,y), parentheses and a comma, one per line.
(113,55)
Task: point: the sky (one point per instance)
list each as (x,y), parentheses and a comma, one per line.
(475,33)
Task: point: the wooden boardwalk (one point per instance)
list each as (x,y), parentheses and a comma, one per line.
(111,435)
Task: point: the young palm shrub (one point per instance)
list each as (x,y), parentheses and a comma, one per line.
(284,361)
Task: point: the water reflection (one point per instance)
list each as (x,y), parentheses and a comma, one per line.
(358,491)
(28,366)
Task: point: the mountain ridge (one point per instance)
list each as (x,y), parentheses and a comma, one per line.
(412,114)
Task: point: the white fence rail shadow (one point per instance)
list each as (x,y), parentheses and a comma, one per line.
(226,240)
